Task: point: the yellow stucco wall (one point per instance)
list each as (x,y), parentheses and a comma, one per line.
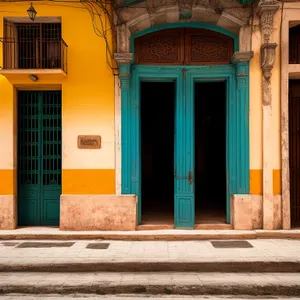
(256,121)
(87,102)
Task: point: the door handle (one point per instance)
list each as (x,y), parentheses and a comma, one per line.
(190,177)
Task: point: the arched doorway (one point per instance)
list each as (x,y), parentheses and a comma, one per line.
(176,73)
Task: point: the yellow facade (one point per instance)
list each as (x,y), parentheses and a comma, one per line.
(91,104)
(87,101)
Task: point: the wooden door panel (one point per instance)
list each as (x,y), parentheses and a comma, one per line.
(206,47)
(184,46)
(184,156)
(164,47)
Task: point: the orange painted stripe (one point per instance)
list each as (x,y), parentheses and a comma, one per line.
(256,182)
(276,182)
(82,181)
(8,182)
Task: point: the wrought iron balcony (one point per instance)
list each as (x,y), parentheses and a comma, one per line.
(34,54)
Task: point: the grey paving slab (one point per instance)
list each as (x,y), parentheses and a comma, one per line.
(280,252)
(263,249)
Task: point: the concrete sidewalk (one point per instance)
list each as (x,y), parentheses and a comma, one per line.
(53,233)
(150,256)
(152,283)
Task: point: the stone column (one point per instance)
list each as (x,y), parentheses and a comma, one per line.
(124,61)
(266,11)
(241,59)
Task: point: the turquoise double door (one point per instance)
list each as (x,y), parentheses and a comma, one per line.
(185,79)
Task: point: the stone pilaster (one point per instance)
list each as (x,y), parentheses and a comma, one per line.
(124,61)
(267,9)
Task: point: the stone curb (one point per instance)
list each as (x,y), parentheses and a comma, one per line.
(158,266)
(130,237)
(155,289)
(155,235)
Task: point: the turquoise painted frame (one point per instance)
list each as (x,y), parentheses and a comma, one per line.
(237,79)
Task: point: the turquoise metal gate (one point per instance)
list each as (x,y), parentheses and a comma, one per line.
(39,157)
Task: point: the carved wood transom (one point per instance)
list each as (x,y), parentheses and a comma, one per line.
(184,46)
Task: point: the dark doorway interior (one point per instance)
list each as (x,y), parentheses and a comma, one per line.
(294,149)
(210,152)
(157,138)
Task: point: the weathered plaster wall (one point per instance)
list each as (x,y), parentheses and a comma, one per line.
(255,117)
(256,133)
(247,212)
(98,212)
(8,212)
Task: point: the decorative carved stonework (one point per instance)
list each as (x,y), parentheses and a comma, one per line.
(184,46)
(266,11)
(137,16)
(267,58)
(185,9)
(185,5)
(151,9)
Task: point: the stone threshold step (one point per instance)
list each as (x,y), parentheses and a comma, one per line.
(145,235)
(152,283)
(204,266)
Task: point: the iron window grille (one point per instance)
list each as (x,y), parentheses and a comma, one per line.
(34,46)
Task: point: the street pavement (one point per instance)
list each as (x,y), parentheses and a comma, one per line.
(263,250)
(44,267)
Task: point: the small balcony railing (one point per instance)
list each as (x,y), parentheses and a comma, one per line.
(34,54)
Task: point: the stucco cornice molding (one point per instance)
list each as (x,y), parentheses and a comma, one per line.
(239,57)
(123,58)
(232,18)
